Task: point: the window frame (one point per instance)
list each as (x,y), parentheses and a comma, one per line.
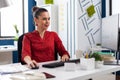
(110,7)
(23,23)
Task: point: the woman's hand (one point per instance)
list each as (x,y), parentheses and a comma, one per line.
(65,57)
(30,63)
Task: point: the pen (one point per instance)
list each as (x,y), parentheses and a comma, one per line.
(3,73)
(87,56)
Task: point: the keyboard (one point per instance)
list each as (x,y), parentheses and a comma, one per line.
(60,63)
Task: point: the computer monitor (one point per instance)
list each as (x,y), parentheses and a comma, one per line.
(110,32)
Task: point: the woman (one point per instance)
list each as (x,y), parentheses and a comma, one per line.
(40,45)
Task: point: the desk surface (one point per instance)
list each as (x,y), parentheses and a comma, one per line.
(7,48)
(78,74)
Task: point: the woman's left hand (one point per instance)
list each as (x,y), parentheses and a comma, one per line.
(65,57)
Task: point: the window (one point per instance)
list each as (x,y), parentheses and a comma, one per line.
(10,16)
(115,7)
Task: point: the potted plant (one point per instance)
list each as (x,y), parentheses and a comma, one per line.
(16,36)
(98,59)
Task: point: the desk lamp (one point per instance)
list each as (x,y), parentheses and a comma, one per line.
(4,3)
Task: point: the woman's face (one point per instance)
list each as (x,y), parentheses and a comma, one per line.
(43,21)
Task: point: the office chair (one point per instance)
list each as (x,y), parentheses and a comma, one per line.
(20,39)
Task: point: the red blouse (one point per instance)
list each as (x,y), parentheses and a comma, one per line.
(42,49)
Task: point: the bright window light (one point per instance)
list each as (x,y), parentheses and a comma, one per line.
(10,16)
(115,7)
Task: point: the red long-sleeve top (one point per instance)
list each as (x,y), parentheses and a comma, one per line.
(42,49)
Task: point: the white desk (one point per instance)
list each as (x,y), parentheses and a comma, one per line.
(78,74)
(6,53)
(7,48)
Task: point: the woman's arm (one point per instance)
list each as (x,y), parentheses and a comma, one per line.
(61,49)
(26,53)
(30,63)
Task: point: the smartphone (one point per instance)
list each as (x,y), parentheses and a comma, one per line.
(48,75)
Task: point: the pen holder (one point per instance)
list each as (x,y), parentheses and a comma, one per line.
(69,66)
(87,63)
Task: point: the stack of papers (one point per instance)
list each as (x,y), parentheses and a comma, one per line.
(13,68)
(29,76)
(107,56)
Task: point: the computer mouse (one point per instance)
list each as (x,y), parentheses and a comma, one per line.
(37,67)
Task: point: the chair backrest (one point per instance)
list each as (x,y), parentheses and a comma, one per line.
(20,39)
(56,54)
(20,50)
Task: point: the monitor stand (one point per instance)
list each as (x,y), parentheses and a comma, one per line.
(110,63)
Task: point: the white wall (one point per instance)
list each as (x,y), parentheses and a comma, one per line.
(89,28)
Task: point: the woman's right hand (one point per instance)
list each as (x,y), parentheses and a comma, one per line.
(31,63)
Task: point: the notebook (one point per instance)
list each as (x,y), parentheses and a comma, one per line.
(13,68)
